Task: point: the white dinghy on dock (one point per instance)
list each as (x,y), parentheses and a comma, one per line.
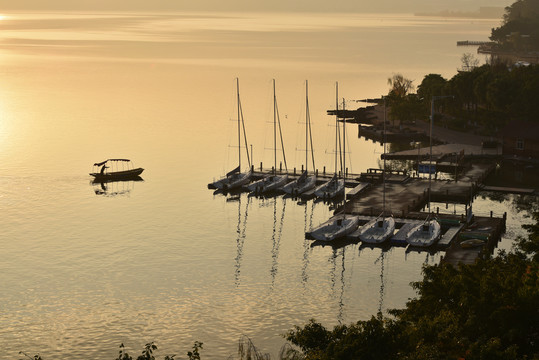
(378,230)
(342,224)
(425,234)
(335,228)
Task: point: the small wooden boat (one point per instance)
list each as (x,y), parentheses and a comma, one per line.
(119,169)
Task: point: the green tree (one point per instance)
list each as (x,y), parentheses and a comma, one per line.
(487,310)
(401,105)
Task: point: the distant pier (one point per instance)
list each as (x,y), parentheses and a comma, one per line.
(473,43)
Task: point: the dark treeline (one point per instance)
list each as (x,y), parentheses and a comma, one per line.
(483,98)
(520,28)
(489,310)
(486,97)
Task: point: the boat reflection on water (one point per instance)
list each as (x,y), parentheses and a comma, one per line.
(111,188)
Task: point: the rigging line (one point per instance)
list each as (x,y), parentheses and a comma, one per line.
(339,151)
(336,124)
(348,142)
(310,131)
(244,132)
(281,135)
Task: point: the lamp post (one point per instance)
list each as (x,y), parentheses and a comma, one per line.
(417,144)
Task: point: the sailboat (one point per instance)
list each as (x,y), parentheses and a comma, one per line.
(335,185)
(379,229)
(235,179)
(427,233)
(304,182)
(340,225)
(273,181)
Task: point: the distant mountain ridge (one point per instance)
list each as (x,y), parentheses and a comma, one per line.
(487,12)
(385,6)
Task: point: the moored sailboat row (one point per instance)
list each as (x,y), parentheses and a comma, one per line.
(375,231)
(275,181)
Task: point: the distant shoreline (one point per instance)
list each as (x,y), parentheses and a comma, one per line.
(482,13)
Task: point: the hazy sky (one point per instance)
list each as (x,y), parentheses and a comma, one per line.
(254,5)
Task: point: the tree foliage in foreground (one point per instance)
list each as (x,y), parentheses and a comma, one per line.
(489,310)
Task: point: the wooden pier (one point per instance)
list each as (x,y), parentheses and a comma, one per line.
(488,229)
(376,133)
(405,197)
(402,226)
(473,43)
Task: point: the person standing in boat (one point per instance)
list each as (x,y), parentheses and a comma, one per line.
(102,172)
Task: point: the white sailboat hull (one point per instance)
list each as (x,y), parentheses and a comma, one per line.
(330,189)
(377,230)
(269,183)
(296,187)
(424,235)
(233,181)
(335,229)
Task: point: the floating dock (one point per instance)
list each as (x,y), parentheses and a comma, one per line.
(464,238)
(487,229)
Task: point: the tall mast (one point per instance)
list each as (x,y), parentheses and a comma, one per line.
(344,159)
(306,125)
(274,129)
(384,172)
(430,144)
(336,121)
(239,126)
(310,134)
(343,142)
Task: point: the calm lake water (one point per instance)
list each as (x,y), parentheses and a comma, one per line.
(164,260)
